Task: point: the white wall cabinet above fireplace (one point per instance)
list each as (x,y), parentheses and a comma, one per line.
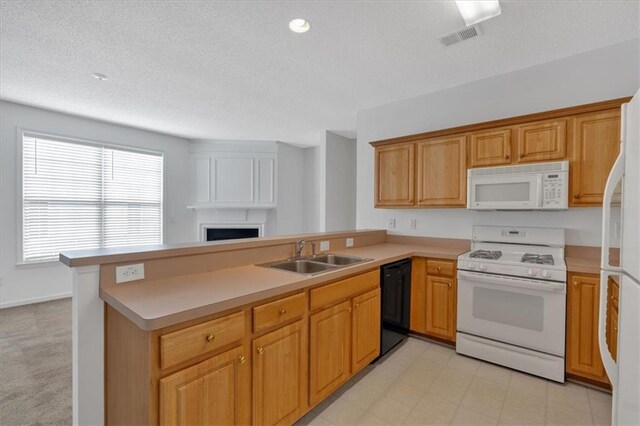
(234,180)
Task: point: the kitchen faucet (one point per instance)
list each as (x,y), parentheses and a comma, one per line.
(299,247)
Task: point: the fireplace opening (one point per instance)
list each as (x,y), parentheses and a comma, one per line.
(217,234)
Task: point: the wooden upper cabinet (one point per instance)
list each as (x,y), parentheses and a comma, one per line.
(596,144)
(583,351)
(365,330)
(541,141)
(395,175)
(214,392)
(441,172)
(329,350)
(280,375)
(490,148)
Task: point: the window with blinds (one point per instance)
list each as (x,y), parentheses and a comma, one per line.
(81,196)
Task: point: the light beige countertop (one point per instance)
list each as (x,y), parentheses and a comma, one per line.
(164,302)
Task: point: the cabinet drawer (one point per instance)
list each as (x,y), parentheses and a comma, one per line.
(278,311)
(441,267)
(340,290)
(200,339)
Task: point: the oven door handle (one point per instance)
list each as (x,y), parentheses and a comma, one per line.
(547,286)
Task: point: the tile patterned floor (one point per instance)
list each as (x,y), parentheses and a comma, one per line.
(422,383)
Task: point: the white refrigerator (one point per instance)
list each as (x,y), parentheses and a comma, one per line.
(624,180)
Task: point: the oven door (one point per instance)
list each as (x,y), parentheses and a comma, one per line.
(518,311)
(504,192)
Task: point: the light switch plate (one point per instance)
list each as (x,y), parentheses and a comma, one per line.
(127,273)
(392,224)
(324,245)
(349,242)
(413,223)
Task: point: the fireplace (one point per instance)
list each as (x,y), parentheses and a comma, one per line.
(229,232)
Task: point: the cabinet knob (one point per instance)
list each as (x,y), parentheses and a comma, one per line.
(577,196)
(449,285)
(521,155)
(282,311)
(349,309)
(260,351)
(357,305)
(575,283)
(438,268)
(242,359)
(210,338)
(506,157)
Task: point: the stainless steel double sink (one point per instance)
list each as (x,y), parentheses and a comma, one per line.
(313,265)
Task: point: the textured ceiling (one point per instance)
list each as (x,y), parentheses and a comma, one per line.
(233,70)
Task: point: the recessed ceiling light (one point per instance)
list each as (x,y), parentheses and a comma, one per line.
(299,25)
(474,12)
(100,77)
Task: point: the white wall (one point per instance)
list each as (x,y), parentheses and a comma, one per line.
(24,284)
(602,74)
(289,218)
(340,198)
(313,189)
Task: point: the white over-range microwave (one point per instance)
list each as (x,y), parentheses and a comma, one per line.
(542,186)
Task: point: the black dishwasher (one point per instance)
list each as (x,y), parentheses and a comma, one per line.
(396,303)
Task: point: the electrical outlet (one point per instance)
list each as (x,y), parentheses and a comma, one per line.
(413,223)
(324,245)
(392,224)
(128,273)
(349,242)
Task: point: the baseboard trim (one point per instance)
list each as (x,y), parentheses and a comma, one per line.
(32,300)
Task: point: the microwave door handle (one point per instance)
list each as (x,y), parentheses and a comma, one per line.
(539,201)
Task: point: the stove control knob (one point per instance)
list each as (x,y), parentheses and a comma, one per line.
(482,267)
(472,265)
(545,274)
(531,272)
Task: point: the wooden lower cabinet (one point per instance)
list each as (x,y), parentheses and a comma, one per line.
(280,375)
(583,353)
(329,350)
(434,298)
(613,290)
(440,294)
(213,392)
(266,363)
(365,330)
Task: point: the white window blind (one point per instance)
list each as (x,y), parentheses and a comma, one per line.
(80,196)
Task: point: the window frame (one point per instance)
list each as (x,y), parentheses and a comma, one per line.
(20,134)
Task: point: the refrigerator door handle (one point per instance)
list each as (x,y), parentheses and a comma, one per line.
(610,365)
(617,172)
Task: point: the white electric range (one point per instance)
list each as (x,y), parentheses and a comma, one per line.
(512,299)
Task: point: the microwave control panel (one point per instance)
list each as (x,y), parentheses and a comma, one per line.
(554,190)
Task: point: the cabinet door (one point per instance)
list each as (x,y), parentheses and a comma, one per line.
(612,317)
(280,375)
(542,141)
(265,180)
(596,144)
(441,307)
(490,148)
(365,330)
(418,295)
(442,171)
(329,350)
(395,175)
(583,353)
(214,392)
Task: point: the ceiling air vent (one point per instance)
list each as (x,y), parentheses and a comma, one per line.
(460,35)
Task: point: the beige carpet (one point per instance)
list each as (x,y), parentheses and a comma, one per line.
(35,364)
